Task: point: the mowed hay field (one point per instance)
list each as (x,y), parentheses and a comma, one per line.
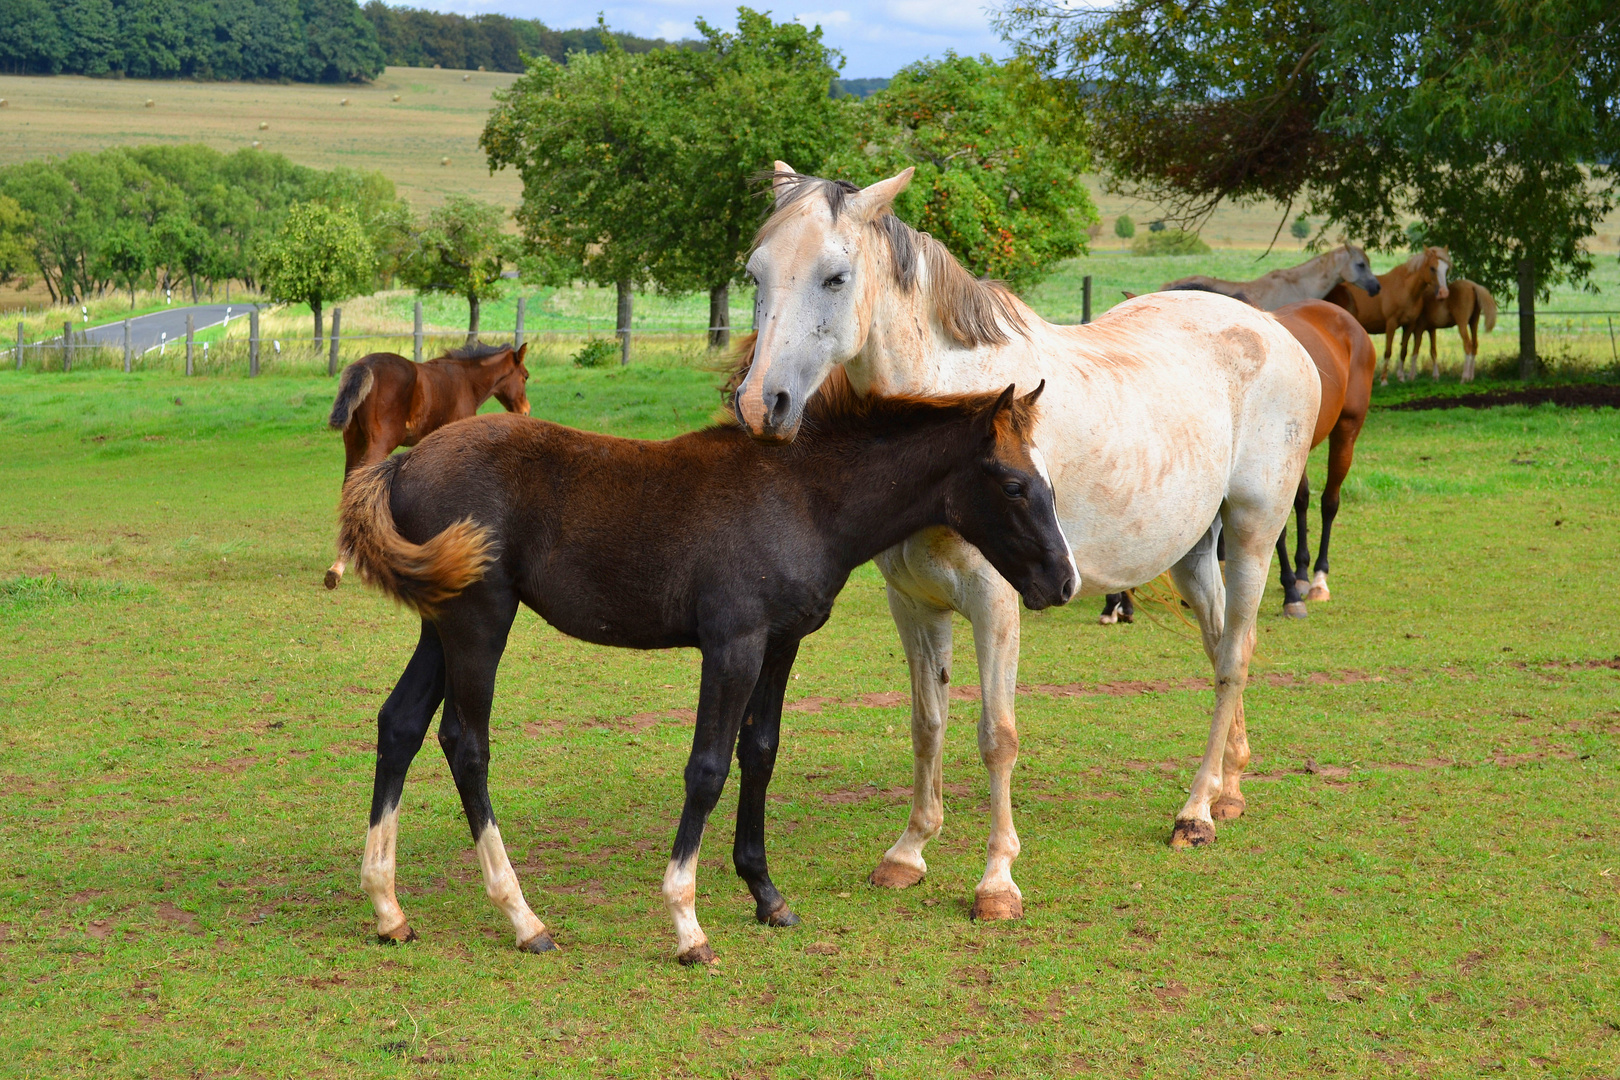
(439,115)
(1426,884)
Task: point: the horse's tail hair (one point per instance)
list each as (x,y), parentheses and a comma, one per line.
(353,387)
(420,576)
(1488,303)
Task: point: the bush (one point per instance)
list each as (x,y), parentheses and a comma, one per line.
(1124,227)
(1156,226)
(1169,242)
(1301,228)
(598,352)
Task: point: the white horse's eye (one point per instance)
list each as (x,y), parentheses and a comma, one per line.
(835,281)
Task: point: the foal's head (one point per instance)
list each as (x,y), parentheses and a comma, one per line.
(502,363)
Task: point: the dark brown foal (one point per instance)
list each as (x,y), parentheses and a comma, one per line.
(385,401)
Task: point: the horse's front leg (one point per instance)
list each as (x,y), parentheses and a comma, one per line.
(756,756)
(731,668)
(991,605)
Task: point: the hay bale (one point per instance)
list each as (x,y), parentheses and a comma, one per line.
(263,126)
(444,161)
(396,97)
(150,103)
(345,101)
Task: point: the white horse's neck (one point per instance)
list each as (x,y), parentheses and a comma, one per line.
(1316,276)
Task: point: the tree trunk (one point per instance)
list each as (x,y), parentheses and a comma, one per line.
(1527,319)
(720,316)
(193,280)
(472,319)
(132,298)
(315,306)
(624,323)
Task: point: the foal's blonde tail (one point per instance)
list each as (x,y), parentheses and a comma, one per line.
(420,576)
(1488,303)
(353,388)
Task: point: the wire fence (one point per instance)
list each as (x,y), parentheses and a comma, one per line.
(240,345)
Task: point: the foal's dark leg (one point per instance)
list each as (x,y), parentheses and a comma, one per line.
(756,755)
(401,724)
(731,669)
(474,632)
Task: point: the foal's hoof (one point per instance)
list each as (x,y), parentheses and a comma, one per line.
(997,907)
(1192,834)
(1228,807)
(398,935)
(780,916)
(332,579)
(698,954)
(540,943)
(1296,610)
(893,875)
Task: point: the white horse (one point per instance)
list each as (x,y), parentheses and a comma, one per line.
(1310,280)
(1171,418)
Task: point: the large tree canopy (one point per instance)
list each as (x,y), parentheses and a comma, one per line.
(1494,122)
(999,160)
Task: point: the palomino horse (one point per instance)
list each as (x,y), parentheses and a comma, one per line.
(1399,303)
(1462,309)
(710,541)
(1171,418)
(1310,280)
(1345,362)
(385,401)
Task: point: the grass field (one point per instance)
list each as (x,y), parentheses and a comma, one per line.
(1426,884)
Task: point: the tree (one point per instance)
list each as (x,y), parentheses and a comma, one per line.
(1494,122)
(595,179)
(319,256)
(999,159)
(460,249)
(1124,227)
(1300,229)
(126,253)
(15,260)
(728,110)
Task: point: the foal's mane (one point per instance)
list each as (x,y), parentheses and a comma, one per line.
(835,409)
(974,311)
(475,351)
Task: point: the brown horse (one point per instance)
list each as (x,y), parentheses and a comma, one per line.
(1400,301)
(1345,359)
(385,401)
(1462,309)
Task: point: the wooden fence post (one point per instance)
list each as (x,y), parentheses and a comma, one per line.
(67,346)
(253,343)
(331,362)
(191,340)
(127,347)
(417,354)
(517,335)
(1085,299)
(19,345)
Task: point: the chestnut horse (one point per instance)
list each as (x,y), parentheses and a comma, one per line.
(1172,420)
(385,401)
(709,541)
(1462,309)
(1345,361)
(1400,302)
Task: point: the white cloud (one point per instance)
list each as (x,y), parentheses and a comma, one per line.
(823,19)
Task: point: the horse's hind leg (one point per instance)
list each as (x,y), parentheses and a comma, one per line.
(1226,752)
(474,636)
(1117,608)
(756,756)
(925,633)
(401,724)
(1341,452)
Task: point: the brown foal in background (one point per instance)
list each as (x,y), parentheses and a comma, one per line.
(385,401)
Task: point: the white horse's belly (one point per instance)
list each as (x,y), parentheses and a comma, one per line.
(1115,552)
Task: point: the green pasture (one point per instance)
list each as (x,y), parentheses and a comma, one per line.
(1427,882)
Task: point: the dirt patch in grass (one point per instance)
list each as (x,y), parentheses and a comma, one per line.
(1569,397)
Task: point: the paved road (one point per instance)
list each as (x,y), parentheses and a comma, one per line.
(147,332)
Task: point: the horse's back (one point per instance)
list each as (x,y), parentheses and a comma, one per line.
(1341,350)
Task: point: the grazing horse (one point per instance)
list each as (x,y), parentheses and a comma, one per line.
(710,541)
(1400,302)
(1462,309)
(1310,280)
(1170,421)
(385,401)
(1345,362)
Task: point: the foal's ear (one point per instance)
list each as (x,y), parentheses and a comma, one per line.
(783,178)
(873,200)
(1028,400)
(517,357)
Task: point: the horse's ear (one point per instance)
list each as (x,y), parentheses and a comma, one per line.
(1028,400)
(783,179)
(517,357)
(873,200)
(1128,294)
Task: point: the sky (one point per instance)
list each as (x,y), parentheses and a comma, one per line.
(877,37)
